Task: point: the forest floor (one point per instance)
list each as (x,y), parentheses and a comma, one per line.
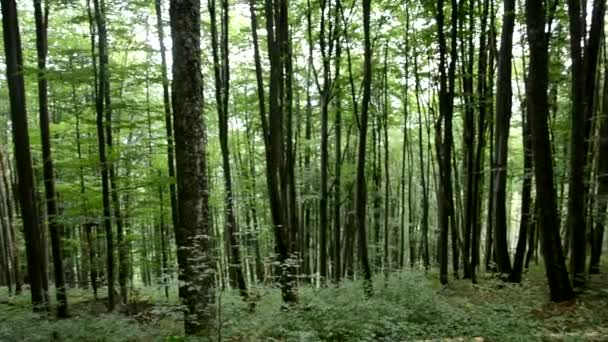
(410,306)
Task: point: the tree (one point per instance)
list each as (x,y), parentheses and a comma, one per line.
(278,179)
(501,135)
(168,115)
(360,187)
(49,177)
(193,234)
(36,268)
(221,70)
(101,84)
(584,64)
(602,179)
(536,89)
(443,133)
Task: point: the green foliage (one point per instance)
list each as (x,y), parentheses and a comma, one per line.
(409,306)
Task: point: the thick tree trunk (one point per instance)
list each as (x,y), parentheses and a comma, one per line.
(26,190)
(555,263)
(193,235)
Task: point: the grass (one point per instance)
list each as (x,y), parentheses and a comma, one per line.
(409,306)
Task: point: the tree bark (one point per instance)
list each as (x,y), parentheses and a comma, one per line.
(193,235)
(501,136)
(99,76)
(49,177)
(555,264)
(602,180)
(360,186)
(222,88)
(25,188)
(584,64)
(168,116)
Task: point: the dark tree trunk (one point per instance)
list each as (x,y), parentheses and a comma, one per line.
(602,180)
(501,136)
(384,120)
(555,264)
(424,245)
(360,186)
(222,87)
(443,132)
(100,85)
(49,178)
(193,235)
(337,262)
(477,195)
(584,65)
(468,144)
(25,188)
(276,176)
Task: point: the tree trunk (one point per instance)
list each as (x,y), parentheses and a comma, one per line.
(602,180)
(360,186)
(526,201)
(167,108)
(193,235)
(555,264)
(337,262)
(26,190)
(49,181)
(99,76)
(501,136)
(222,87)
(443,132)
(584,64)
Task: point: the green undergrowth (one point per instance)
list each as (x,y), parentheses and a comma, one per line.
(409,306)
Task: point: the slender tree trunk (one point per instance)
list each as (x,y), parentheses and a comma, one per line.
(384,120)
(602,180)
(468,146)
(49,181)
(501,135)
(360,189)
(222,88)
(526,202)
(167,108)
(337,262)
(423,175)
(443,130)
(100,76)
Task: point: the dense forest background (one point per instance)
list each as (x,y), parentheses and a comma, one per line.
(199,149)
